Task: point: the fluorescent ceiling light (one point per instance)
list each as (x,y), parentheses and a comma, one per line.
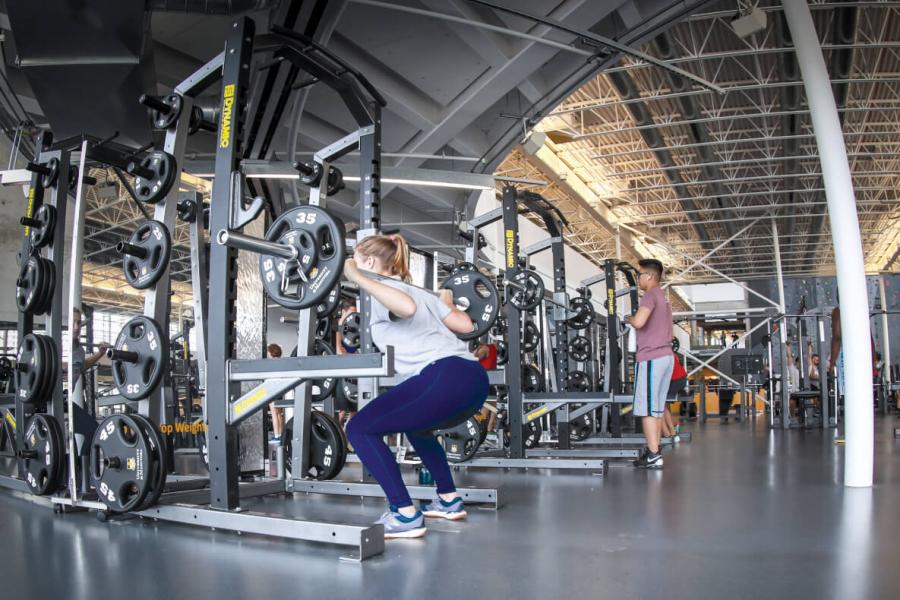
(412,182)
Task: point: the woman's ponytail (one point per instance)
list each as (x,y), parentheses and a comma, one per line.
(391,250)
(400,265)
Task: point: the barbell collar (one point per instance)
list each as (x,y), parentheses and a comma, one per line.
(240,241)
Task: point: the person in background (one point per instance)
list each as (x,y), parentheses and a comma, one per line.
(487,356)
(813,369)
(82,361)
(274,351)
(670,426)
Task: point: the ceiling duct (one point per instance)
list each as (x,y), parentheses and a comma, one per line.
(210,7)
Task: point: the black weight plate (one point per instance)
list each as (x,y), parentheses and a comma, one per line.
(323,328)
(29,284)
(203,448)
(532,381)
(45,296)
(322,388)
(475,294)
(327,307)
(530,338)
(584,313)
(502,353)
(461,442)
(136,381)
(157,469)
(350,331)
(50,371)
(577,381)
(343,447)
(50,268)
(531,296)
(531,434)
(42,470)
(324,447)
(121,457)
(676,345)
(49,179)
(165,171)
(153,237)
(41,235)
(307,281)
(59,438)
(580,348)
(581,427)
(31,370)
(349,390)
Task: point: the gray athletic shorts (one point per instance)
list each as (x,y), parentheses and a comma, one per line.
(651,385)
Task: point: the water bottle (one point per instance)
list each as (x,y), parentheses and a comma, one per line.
(425,477)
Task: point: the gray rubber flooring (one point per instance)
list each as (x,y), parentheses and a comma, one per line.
(740,512)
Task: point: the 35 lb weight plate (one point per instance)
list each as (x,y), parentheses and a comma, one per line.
(307,280)
(350,331)
(121,457)
(139,358)
(475,294)
(530,337)
(147,254)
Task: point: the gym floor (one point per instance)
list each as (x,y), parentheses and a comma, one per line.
(740,512)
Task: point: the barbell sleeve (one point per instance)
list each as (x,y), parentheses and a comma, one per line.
(240,241)
(134,168)
(38,168)
(131,250)
(122,355)
(30,222)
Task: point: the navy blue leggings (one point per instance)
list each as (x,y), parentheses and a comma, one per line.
(445,393)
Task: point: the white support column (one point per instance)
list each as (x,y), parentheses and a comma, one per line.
(848,255)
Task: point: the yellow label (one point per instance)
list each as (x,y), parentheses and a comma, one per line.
(11,419)
(611,299)
(245,404)
(130,464)
(227,109)
(28,211)
(510,246)
(536,414)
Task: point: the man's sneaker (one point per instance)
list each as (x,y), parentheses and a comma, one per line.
(650,460)
(438,507)
(644,451)
(398,526)
(275,440)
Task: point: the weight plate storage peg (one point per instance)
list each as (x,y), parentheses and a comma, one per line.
(139,358)
(41,225)
(154,176)
(461,442)
(530,337)
(580,348)
(530,290)
(584,313)
(121,457)
(475,294)
(147,254)
(306,280)
(43,454)
(35,369)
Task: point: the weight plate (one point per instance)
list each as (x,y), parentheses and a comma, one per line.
(580,348)
(48,179)
(343,446)
(461,442)
(531,434)
(502,352)
(51,361)
(31,370)
(577,381)
(584,313)
(121,458)
(43,455)
(532,381)
(530,293)
(307,280)
(50,280)
(42,234)
(323,328)
(30,284)
(136,379)
(157,469)
(475,294)
(59,437)
(203,448)
(676,345)
(530,337)
(164,169)
(327,307)
(325,445)
(581,427)
(322,388)
(349,390)
(350,331)
(151,247)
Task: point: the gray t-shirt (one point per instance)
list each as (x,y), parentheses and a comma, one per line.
(419,340)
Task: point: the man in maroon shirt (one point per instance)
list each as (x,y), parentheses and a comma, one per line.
(654,360)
